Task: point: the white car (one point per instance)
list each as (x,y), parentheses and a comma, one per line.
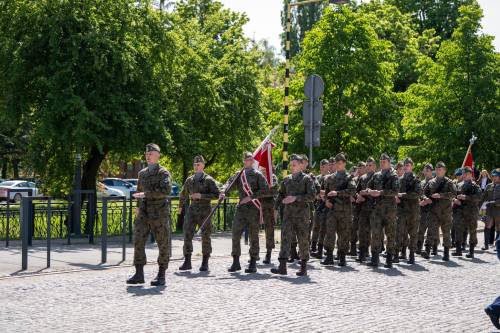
(120,184)
(14,190)
(105,191)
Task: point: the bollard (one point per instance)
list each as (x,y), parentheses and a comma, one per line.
(124,229)
(49,216)
(104,231)
(24,233)
(7,238)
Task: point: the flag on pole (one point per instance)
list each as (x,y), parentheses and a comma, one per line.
(264,158)
(468,160)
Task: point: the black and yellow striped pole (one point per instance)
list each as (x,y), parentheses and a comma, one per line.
(288,57)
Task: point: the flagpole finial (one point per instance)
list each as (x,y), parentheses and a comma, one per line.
(472,139)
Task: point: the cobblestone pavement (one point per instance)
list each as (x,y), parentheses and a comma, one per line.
(431,296)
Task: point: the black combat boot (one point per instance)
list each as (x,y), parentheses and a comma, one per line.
(319,254)
(458,251)
(471,252)
(267,259)
(303,268)
(419,247)
(204,263)
(236,264)
(293,253)
(388,261)
(352,251)
(486,239)
(342,261)
(329,258)
(427,253)
(362,255)
(252,267)
(282,267)
(446,254)
(138,277)
(403,253)
(313,247)
(187,263)
(159,280)
(434,250)
(395,258)
(411,258)
(375,260)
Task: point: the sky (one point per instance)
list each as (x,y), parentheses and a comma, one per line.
(265,19)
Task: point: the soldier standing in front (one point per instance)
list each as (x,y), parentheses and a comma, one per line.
(365,203)
(199,189)
(251,186)
(269,215)
(154,186)
(295,193)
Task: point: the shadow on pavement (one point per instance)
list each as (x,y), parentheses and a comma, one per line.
(242,276)
(415,267)
(192,275)
(474,260)
(142,291)
(344,269)
(388,271)
(450,263)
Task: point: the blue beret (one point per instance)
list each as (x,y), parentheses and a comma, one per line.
(458,172)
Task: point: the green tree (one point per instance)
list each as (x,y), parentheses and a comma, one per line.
(456,95)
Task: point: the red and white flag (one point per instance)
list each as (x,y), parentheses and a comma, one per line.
(264,158)
(468,160)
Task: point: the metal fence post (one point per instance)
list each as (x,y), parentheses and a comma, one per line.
(225,214)
(49,217)
(104,232)
(24,233)
(124,228)
(7,238)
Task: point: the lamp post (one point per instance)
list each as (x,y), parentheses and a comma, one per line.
(287,72)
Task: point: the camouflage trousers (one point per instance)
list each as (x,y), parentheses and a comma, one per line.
(469,224)
(457,226)
(424,225)
(364,228)
(319,228)
(355,224)
(383,220)
(295,229)
(160,227)
(407,228)
(439,218)
(338,224)
(269,222)
(194,218)
(246,216)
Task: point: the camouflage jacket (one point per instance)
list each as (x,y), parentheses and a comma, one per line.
(342,183)
(361,186)
(409,184)
(156,185)
(472,193)
(386,181)
(205,185)
(301,186)
(268,201)
(256,181)
(492,194)
(423,185)
(445,187)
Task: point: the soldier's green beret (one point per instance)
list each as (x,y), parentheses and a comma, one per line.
(331,159)
(340,157)
(440,165)
(324,162)
(295,157)
(152,147)
(199,159)
(247,155)
(399,165)
(496,173)
(429,166)
(458,172)
(361,164)
(408,160)
(370,160)
(304,157)
(384,156)
(467,169)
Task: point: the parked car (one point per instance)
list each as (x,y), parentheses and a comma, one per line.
(175,189)
(119,184)
(14,190)
(106,191)
(132,181)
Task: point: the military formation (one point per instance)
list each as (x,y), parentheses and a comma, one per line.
(368,212)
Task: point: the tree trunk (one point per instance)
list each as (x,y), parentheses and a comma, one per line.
(15,168)
(4,169)
(91,167)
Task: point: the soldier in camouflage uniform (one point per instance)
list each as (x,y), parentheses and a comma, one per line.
(154,186)
(365,204)
(269,215)
(457,213)
(468,197)
(319,227)
(198,191)
(425,208)
(339,188)
(248,213)
(408,198)
(356,208)
(439,191)
(296,191)
(491,197)
(383,188)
